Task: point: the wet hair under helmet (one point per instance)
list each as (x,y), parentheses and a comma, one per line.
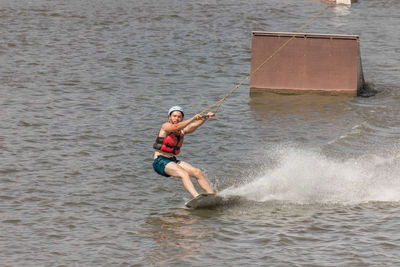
(176,108)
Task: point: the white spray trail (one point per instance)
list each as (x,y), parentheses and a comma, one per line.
(307,177)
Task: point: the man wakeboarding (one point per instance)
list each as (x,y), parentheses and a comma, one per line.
(168,145)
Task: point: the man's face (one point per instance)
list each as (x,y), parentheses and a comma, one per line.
(175,117)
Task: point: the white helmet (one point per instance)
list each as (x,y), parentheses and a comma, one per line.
(175,108)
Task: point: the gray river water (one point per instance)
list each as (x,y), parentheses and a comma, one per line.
(85,86)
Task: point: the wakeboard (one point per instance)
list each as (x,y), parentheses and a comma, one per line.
(204,201)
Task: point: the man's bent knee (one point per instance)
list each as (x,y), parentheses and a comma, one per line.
(197,173)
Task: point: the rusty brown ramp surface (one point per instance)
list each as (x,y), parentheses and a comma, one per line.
(323,63)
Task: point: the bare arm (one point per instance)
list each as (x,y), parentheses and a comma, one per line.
(169,127)
(191,127)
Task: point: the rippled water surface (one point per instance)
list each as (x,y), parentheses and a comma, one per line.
(85,86)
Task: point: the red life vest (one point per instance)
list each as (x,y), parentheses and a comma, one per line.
(171,143)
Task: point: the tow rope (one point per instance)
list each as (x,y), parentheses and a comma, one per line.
(219,102)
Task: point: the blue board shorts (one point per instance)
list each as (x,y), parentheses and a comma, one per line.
(160,162)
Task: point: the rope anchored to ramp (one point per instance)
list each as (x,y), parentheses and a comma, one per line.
(219,102)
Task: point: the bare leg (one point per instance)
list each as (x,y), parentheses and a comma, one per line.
(174,169)
(198,174)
